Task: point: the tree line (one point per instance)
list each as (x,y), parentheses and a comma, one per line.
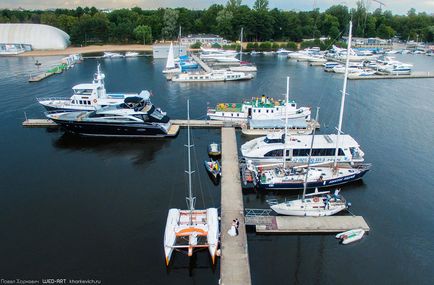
(260,23)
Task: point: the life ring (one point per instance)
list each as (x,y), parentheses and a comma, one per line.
(315,199)
(243,126)
(94,101)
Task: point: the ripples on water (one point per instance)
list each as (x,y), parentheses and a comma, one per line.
(75,207)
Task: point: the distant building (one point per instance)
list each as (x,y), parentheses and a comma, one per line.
(32,36)
(162,50)
(203,39)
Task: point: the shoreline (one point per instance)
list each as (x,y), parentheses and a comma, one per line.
(88,49)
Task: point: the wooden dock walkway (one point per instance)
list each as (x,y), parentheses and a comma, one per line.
(201,63)
(234,264)
(39,123)
(286,224)
(46,123)
(409,76)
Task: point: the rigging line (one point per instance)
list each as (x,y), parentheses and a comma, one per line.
(198,176)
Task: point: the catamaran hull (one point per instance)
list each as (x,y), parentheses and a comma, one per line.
(316,184)
(132,130)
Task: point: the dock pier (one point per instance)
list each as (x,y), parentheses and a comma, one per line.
(234,262)
(267,224)
(201,63)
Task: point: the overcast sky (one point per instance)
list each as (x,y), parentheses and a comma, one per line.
(396,6)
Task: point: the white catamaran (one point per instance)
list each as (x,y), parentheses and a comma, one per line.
(191,229)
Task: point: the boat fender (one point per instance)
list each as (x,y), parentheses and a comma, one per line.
(94,101)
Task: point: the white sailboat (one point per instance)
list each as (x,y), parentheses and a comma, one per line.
(170,64)
(187,230)
(244,65)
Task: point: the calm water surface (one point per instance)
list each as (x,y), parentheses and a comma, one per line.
(81,208)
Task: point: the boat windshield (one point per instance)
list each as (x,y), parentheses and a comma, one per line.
(82,91)
(274,140)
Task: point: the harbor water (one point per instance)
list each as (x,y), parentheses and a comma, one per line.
(95,209)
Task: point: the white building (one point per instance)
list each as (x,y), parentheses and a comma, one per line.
(35,36)
(203,39)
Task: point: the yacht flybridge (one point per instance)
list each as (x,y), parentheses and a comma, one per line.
(191,229)
(86,97)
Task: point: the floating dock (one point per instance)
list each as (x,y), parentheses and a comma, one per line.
(285,224)
(408,76)
(39,77)
(234,262)
(39,123)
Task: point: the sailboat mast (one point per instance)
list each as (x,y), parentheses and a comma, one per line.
(308,163)
(241,48)
(190,199)
(286,121)
(344,91)
(179,42)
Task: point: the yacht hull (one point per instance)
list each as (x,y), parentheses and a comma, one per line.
(132,130)
(317,184)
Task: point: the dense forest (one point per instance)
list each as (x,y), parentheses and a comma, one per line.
(90,26)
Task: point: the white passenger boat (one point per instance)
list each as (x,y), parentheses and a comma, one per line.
(191,229)
(86,96)
(263,108)
(351,236)
(213,76)
(269,149)
(299,126)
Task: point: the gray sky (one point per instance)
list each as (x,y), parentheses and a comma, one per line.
(396,6)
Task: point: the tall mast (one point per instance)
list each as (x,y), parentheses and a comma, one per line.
(344,92)
(190,198)
(179,42)
(241,48)
(286,121)
(308,163)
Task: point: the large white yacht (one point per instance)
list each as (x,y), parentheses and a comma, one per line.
(269,149)
(213,76)
(86,97)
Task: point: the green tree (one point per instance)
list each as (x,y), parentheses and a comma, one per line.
(170,23)
(144,33)
(385,32)
(224,22)
(260,5)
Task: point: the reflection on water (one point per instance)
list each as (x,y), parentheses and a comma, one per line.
(77,207)
(141,151)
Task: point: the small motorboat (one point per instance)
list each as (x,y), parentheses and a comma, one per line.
(214,149)
(213,167)
(350,236)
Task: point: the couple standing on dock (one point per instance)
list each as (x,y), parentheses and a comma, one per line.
(233,231)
